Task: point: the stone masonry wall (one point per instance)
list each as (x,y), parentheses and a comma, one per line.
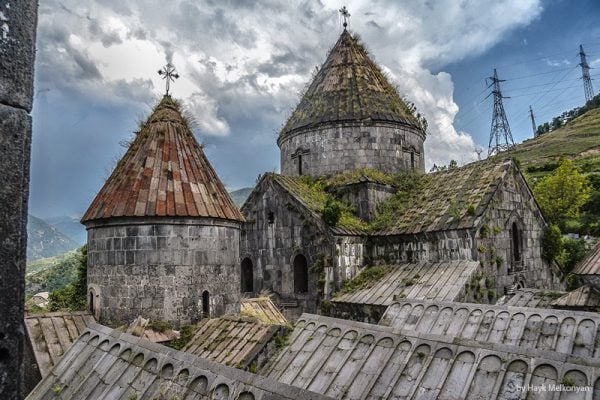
(365,197)
(159,269)
(272,247)
(512,203)
(345,147)
(18,20)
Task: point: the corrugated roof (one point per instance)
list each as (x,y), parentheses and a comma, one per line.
(348,87)
(164,173)
(444,281)
(352,360)
(590,265)
(106,364)
(263,309)
(583,297)
(452,199)
(52,334)
(528,297)
(560,331)
(229,340)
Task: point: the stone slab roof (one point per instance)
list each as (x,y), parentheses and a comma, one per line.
(444,281)
(139,327)
(590,265)
(313,198)
(529,297)
(230,340)
(164,173)
(583,297)
(106,364)
(352,360)
(52,334)
(348,87)
(559,331)
(452,199)
(263,309)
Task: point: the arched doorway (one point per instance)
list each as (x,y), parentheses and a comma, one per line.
(247,276)
(300,274)
(205,304)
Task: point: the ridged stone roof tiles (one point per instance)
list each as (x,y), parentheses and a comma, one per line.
(443,281)
(348,87)
(52,334)
(590,265)
(106,364)
(352,360)
(164,173)
(262,309)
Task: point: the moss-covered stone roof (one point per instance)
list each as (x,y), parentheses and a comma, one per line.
(349,87)
(452,199)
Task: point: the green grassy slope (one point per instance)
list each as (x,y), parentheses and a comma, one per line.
(578,140)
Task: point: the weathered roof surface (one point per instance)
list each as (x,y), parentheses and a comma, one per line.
(567,332)
(106,364)
(263,309)
(352,360)
(590,265)
(444,281)
(164,173)
(230,340)
(452,199)
(583,297)
(52,334)
(529,297)
(313,198)
(348,87)
(139,327)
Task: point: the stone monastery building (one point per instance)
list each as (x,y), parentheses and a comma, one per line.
(399,284)
(166,241)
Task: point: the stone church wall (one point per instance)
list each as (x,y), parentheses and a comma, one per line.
(513,204)
(345,147)
(275,233)
(160,268)
(365,197)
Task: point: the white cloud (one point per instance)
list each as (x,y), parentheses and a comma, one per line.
(243,63)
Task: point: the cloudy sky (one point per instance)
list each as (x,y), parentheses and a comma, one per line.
(243,63)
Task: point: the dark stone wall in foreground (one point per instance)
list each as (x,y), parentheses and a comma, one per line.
(18,20)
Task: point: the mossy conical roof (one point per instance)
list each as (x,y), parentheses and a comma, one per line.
(349,87)
(164,173)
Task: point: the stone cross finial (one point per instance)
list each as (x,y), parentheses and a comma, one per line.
(169,74)
(345,15)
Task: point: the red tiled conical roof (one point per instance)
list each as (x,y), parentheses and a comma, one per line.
(163,174)
(349,87)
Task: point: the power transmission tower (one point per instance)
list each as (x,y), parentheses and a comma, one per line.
(500,137)
(533,122)
(585,75)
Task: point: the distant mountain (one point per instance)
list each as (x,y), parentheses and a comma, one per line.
(239,196)
(70,226)
(44,240)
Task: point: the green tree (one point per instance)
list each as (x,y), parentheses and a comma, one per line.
(562,194)
(73,295)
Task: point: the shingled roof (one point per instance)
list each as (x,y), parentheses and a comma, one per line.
(164,173)
(349,87)
(590,265)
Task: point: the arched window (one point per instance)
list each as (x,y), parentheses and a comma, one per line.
(91,302)
(300,274)
(247,276)
(205,304)
(517,249)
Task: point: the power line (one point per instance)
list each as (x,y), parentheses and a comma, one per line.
(585,75)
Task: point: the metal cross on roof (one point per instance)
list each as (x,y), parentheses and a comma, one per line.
(169,74)
(345,15)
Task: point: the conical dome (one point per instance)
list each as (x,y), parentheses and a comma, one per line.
(348,87)
(164,173)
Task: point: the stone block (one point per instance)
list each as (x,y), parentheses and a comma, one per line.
(18,20)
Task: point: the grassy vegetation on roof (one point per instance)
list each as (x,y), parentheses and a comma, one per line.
(365,279)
